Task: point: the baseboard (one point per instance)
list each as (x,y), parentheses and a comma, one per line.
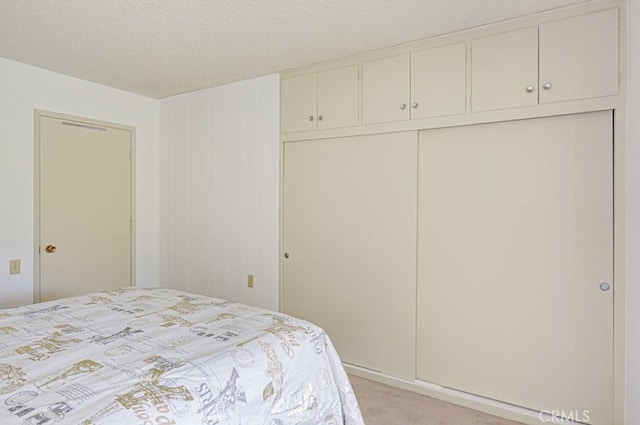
(472,401)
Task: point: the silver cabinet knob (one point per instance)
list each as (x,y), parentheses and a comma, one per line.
(310,117)
(530,89)
(403,106)
(319,117)
(286,255)
(604,286)
(414,105)
(546,86)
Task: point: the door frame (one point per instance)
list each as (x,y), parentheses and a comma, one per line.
(37,114)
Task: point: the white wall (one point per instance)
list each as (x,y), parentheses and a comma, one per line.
(24,88)
(219,162)
(633,217)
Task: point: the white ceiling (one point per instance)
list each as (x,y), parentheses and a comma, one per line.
(160,48)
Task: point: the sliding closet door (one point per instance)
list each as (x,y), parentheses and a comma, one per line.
(349,245)
(515,262)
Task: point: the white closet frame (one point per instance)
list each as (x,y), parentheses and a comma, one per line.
(617,103)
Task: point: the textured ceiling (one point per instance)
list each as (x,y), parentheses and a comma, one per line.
(160,48)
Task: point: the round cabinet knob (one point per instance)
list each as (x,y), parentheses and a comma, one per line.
(604,286)
(414,105)
(403,106)
(50,249)
(546,86)
(310,117)
(530,89)
(319,117)
(286,255)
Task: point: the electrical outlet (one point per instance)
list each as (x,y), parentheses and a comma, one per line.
(14,266)
(250,281)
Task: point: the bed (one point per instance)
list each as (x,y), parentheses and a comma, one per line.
(155,356)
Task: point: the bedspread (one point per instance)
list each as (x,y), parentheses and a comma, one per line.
(154,356)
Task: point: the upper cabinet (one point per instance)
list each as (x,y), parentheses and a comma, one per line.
(438,81)
(386,90)
(318,101)
(547,65)
(504,70)
(424,84)
(579,57)
(299,103)
(569,59)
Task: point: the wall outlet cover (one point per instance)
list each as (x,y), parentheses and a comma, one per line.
(14,266)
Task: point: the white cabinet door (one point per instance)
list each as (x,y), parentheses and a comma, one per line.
(350,234)
(515,237)
(438,83)
(338,98)
(386,90)
(505,70)
(299,102)
(579,57)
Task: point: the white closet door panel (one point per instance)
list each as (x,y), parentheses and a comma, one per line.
(438,82)
(338,99)
(386,90)
(350,233)
(515,235)
(503,66)
(579,57)
(299,103)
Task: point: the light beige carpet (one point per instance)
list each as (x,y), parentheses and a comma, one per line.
(384,405)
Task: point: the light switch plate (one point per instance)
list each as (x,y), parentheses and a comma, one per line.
(14,266)
(250,281)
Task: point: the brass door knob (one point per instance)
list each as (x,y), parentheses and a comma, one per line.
(50,249)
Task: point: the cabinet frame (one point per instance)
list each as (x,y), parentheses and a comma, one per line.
(617,103)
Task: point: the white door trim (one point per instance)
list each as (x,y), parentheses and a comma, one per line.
(37,114)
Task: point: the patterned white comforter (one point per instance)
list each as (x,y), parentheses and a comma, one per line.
(162,357)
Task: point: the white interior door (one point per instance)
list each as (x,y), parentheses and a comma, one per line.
(85,216)
(515,238)
(350,239)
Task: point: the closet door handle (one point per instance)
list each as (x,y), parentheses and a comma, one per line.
(547,86)
(414,105)
(310,117)
(319,117)
(403,106)
(530,89)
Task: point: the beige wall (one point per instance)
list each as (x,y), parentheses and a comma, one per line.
(24,88)
(219,191)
